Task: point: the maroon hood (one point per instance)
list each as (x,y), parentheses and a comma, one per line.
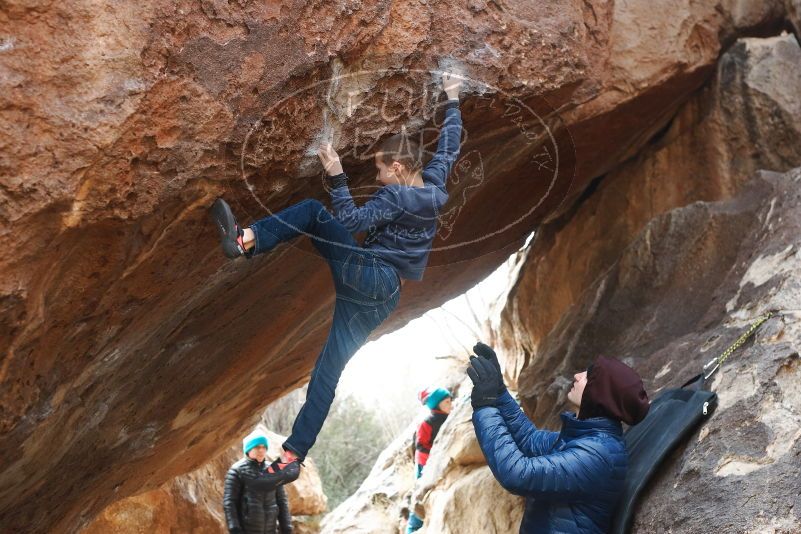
(614,390)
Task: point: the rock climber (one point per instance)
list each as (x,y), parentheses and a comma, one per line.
(572,479)
(400,220)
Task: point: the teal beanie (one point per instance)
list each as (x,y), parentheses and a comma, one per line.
(437,396)
(254,439)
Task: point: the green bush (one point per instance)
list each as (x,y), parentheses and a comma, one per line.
(351,439)
(346,449)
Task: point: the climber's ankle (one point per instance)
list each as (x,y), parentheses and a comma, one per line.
(289,456)
(248,239)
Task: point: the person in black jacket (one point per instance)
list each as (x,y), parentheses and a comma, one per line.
(254,500)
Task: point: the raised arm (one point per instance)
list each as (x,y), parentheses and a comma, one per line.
(572,473)
(232,491)
(530,440)
(381,209)
(437,170)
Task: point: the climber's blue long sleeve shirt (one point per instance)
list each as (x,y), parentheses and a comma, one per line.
(401,221)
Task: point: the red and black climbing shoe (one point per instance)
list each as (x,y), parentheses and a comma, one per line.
(287,472)
(231,235)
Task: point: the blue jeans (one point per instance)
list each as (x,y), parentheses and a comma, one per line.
(367,290)
(414,524)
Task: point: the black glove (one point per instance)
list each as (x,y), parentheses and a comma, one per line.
(486,382)
(486,352)
(236,531)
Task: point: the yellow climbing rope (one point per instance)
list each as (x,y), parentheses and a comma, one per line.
(718,361)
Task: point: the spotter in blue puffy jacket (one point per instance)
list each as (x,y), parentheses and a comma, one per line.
(571,479)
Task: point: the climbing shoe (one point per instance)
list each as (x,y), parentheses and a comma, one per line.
(231,235)
(287,472)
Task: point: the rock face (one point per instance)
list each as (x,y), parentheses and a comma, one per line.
(456,493)
(746,120)
(188,503)
(693,243)
(376,506)
(193,502)
(678,295)
(126,338)
(453,507)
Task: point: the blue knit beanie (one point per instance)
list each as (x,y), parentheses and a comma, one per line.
(254,439)
(435,397)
